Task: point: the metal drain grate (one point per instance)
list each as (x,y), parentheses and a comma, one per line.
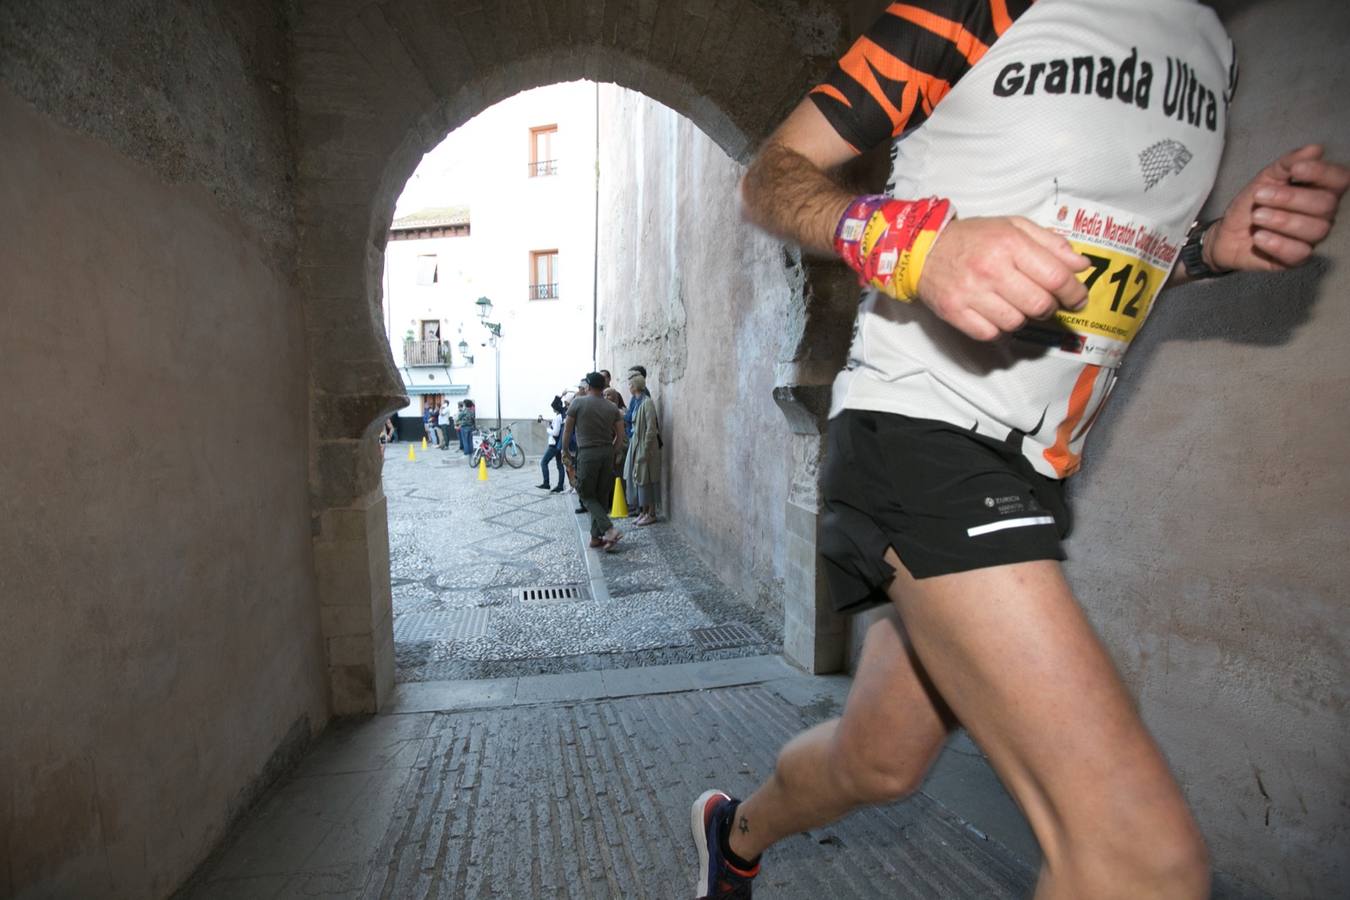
(721,637)
(548,594)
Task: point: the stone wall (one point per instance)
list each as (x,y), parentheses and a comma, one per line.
(377,85)
(705,304)
(160,641)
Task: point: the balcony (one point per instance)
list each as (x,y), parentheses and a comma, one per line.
(543,167)
(426,353)
(544,291)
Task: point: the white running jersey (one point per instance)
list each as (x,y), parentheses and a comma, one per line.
(1100,119)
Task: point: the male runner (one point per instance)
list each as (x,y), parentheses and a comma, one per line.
(1048,165)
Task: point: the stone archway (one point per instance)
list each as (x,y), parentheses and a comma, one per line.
(378,84)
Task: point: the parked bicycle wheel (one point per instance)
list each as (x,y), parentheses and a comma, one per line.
(474,459)
(515,457)
(495,460)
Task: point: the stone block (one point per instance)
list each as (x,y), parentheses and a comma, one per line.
(801,522)
(352,416)
(383,662)
(345,470)
(342,573)
(340,621)
(352,361)
(351,650)
(353,690)
(806,406)
(346,523)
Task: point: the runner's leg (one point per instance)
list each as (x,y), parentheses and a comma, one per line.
(1015,658)
(878,751)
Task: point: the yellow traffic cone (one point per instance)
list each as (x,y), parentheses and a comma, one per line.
(424,443)
(482,468)
(412,457)
(619,508)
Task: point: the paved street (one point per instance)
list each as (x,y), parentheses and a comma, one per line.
(485,779)
(578,786)
(464,555)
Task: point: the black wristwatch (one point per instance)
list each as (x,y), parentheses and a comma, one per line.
(1193,252)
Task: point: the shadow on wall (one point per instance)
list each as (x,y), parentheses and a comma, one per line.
(1225,309)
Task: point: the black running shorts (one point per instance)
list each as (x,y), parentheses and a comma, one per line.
(947,499)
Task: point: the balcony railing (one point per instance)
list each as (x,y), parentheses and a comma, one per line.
(543,167)
(544,291)
(426,353)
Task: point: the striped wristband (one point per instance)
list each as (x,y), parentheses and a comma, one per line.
(886,240)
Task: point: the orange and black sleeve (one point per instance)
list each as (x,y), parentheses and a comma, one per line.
(893,76)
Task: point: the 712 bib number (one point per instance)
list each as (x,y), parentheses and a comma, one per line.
(1121,288)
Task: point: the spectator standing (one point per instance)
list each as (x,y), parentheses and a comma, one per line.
(620,449)
(598,427)
(555,450)
(644,454)
(429,420)
(444,419)
(570,446)
(468,421)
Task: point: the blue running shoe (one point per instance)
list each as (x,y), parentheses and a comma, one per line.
(717,877)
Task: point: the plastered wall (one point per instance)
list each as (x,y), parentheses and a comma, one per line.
(1214,507)
(687,290)
(160,643)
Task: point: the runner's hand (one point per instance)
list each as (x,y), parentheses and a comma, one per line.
(1281,216)
(987,277)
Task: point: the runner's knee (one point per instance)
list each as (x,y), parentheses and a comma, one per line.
(1147,856)
(1170,855)
(873,772)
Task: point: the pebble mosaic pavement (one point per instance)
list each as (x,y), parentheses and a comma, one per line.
(460,549)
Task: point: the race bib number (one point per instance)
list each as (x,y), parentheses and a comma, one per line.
(1130,261)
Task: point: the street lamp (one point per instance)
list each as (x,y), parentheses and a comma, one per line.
(495,331)
(464,353)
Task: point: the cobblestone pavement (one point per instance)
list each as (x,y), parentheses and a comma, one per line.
(585,796)
(464,552)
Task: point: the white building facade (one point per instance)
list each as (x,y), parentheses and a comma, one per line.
(504,208)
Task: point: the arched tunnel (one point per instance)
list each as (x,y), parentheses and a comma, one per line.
(194,566)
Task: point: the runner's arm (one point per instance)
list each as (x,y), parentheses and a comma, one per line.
(1276,222)
(786,190)
(985,277)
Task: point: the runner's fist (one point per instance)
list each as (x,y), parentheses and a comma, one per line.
(987,277)
(1281,216)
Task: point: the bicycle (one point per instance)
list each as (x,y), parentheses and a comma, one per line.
(509,450)
(486,450)
(497,450)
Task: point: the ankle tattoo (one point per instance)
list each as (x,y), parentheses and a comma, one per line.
(744,825)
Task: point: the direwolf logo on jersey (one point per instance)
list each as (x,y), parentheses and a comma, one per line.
(1129,80)
(1161,160)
